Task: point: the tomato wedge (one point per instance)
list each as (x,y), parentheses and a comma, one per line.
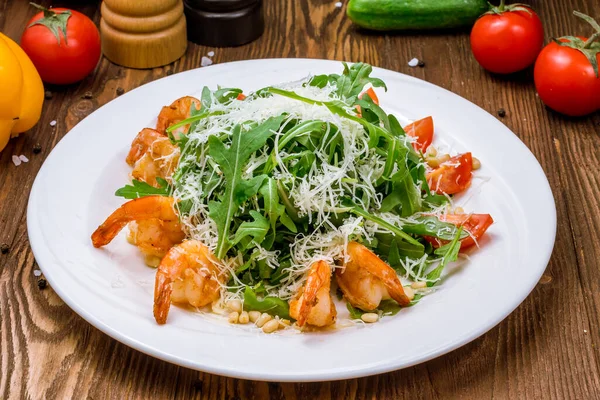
(453,176)
(422,130)
(474,224)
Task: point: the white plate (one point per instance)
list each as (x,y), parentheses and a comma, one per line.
(112,289)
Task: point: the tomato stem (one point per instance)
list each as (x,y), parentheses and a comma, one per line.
(501,6)
(594,24)
(592,39)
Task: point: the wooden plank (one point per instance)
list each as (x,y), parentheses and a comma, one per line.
(545,349)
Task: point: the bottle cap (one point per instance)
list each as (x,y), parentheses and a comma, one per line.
(224,23)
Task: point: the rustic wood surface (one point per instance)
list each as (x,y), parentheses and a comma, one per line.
(547,348)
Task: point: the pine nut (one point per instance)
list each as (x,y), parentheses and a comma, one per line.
(476,163)
(432,162)
(254,316)
(459,210)
(264,318)
(285,322)
(409,292)
(418,285)
(270,326)
(233,317)
(244,318)
(431,151)
(370,317)
(234,305)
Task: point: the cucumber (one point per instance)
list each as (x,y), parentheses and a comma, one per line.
(384,15)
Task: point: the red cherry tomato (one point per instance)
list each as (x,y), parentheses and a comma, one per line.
(422,130)
(68,52)
(565,77)
(507,39)
(241,96)
(474,224)
(453,176)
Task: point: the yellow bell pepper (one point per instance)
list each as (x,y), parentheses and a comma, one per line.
(21,91)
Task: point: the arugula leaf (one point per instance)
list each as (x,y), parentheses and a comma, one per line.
(429,225)
(404,193)
(270,305)
(385,308)
(355,313)
(381,222)
(321,81)
(430,198)
(206,98)
(366,103)
(286,221)
(354,78)
(271,201)
(451,255)
(257,229)
(231,161)
(395,250)
(139,189)
(226,95)
(338,107)
(395,127)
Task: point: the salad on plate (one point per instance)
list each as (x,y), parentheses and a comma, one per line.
(275,206)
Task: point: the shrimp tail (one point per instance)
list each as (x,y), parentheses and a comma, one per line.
(377,267)
(317,277)
(162,296)
(138,209)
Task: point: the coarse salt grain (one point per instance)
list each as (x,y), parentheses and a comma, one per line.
(414,62)
(205,62)
(338,4)
(211,53)
(16,160)
(53,123)
(23,158)
(37,272)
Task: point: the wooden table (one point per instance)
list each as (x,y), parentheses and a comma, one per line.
(547,348)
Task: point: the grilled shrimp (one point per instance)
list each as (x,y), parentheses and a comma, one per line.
(314,306)
(179,110)
(157,228)
(152,155)
(187,274)
(154,237)
(142,142)
(366,279)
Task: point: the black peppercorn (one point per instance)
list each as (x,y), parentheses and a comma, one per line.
(502,113)
(197,384)
(42,284)
(37,149)
(87,95)
(48,94)
(120,91)
(4,248)
(421,63)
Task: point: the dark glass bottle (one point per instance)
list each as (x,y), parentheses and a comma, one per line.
(224,23)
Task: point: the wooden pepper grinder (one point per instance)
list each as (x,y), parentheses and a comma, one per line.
(143,34)
(224,23)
